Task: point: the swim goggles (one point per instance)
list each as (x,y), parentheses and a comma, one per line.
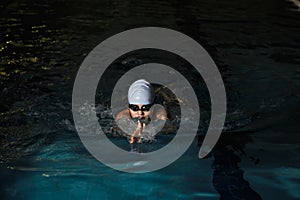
(136,108)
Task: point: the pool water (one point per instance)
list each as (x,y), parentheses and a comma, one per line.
(255,46)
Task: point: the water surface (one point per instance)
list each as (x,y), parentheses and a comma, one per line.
(256,47)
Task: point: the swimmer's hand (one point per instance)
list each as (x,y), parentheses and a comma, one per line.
(137,132)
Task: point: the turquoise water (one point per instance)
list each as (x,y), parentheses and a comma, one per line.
(256,47)
(57,175)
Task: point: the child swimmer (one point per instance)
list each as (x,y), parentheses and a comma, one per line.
(140,108)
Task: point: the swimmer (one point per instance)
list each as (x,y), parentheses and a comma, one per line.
(141,99)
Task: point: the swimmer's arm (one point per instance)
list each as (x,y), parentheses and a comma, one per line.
(125,123)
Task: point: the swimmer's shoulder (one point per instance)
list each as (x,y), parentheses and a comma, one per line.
(161,114)
(123,114)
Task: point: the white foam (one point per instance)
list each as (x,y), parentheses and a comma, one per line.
(140,163)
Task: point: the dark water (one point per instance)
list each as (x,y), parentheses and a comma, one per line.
(256,46)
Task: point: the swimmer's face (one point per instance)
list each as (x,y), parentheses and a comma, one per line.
(139,110)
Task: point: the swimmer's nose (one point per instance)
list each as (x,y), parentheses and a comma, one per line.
(141,112)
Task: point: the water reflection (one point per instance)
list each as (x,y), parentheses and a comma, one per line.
(228,176)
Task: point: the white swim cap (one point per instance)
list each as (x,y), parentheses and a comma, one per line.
(140,92)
